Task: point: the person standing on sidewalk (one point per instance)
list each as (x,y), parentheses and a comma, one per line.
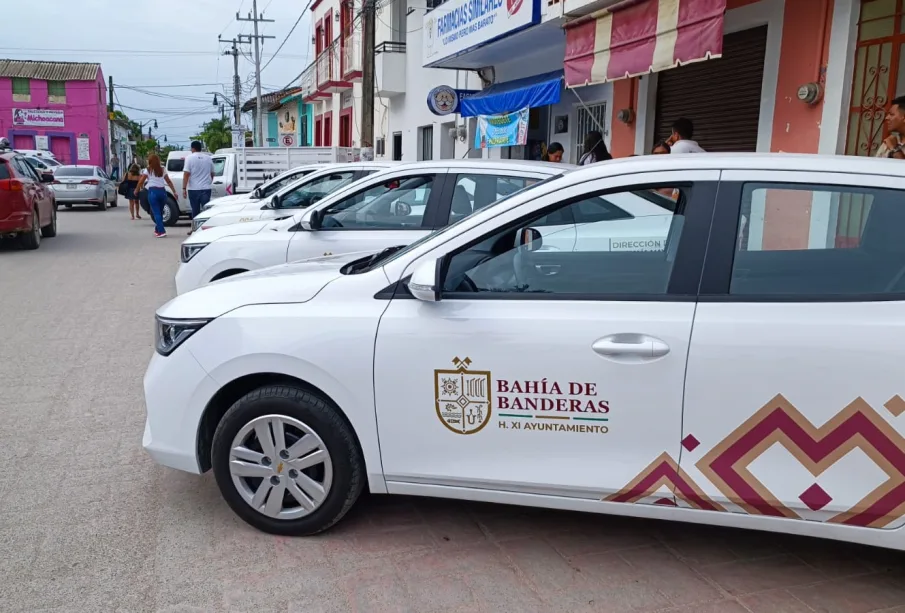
(114,167)
(680,139)
(197,179)
(156,180)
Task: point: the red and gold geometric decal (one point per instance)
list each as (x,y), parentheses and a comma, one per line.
(665,472)
(858,426)
(726,465)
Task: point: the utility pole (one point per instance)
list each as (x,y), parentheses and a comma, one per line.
(110,130)
(237,83)
(257,38)
(367,73)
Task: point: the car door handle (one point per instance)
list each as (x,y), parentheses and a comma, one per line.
(630,347)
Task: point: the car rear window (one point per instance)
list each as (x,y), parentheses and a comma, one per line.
(4,171)
(75,171)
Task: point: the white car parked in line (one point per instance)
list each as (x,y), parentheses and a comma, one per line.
(266,189)
(393,207)
(298,194)
(747,375)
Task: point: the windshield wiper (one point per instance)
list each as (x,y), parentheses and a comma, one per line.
(366,264)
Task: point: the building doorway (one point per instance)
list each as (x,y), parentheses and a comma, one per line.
(698,92)
(397,146)
(61,149)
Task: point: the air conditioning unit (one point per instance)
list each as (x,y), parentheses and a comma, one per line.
(459,132)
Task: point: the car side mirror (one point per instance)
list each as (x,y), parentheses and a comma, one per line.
(47,177)
(312,222)
(256,194)
(425,282)
(401,209)
(529,239)
(276,202)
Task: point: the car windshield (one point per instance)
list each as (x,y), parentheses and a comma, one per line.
(75,171)
(388,256)
(50,162)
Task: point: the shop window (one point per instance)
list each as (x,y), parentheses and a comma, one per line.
(21,89)
(56,91)
(590,117)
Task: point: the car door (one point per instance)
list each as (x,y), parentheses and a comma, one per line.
(221,177)
(795,395)
(398,210)
(107,184)
(561,377)
(36,192)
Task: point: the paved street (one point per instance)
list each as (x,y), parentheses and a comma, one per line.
(88,523)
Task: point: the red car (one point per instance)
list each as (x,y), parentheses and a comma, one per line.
(28,208)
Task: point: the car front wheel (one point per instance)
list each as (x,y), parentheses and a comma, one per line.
(286,461)
(170,212)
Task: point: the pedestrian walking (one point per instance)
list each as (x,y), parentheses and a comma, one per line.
(197,179)
(594,149)
(156,180)
(114,167)
(893,145)
(554,153)
(130,191)
(680,141)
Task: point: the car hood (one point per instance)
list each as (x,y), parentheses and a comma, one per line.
(237,229)
(231,199)
(232,207)
(284,284)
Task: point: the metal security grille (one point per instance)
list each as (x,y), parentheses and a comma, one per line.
(698,92)
(590,118)
(427,143)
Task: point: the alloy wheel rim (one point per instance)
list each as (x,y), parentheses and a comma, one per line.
(280,467)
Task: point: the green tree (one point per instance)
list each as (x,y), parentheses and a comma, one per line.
(215,134)
(143,148)
(134,126)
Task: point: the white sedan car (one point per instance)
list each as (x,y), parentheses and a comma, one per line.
(291,197)
(267,189)
(747,375)
(394,207)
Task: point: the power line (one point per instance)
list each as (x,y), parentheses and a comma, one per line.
(121,52)
(168,86)
(297,22)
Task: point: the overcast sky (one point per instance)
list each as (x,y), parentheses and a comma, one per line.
(157,44)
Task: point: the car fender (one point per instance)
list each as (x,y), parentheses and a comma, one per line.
(363,420)
(231,264)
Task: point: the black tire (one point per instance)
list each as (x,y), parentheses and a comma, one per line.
(143,201)
(327,423)
(115,202)
(103,205)
(170,212)
(32,239)
(50,230)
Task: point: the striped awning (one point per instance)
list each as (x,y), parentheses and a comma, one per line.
(640,37)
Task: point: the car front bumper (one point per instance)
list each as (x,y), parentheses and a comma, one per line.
(177,390)
(70,196)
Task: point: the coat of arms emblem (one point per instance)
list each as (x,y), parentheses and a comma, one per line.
(462,397)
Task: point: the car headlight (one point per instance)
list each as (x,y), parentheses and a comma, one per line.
(198,222)
(170,333)
(190,250)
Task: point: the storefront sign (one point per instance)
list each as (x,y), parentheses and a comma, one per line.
(287,140)
(504,130)
(84,147)
(38,117)
(444,100)
(42,143)
(459,25)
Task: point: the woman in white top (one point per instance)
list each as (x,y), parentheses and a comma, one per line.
(156,180)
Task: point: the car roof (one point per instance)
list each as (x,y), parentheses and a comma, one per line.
(737,161)
(472,163)
(77,166)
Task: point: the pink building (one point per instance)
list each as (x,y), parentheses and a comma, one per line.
(57,106)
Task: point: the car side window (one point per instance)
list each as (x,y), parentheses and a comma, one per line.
(4,171)
(862,253)
(586,247)
(23,170)
(397,204)
(475,191)
(318,189)
(219,166)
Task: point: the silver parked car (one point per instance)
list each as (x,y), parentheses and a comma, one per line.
(84,185)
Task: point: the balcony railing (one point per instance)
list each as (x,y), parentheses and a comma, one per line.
(351,53)
(390,46)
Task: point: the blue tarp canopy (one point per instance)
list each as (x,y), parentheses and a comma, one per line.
(539,90)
